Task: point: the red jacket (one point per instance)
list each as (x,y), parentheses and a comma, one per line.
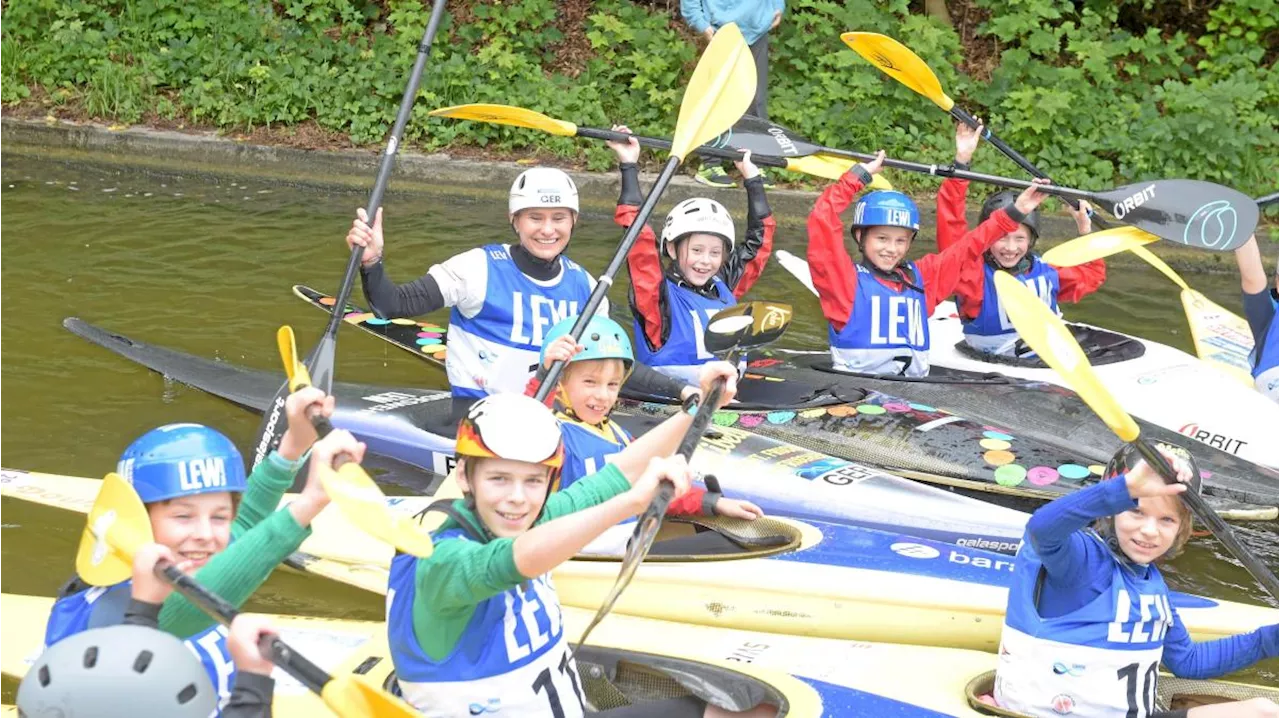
(740,271)
(1075,283)
(834,273)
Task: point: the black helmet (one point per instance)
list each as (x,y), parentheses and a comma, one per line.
(1128,456)
(1005,198)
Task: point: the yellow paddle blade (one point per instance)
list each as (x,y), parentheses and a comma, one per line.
(364,505)
(722,87)
(895,60)
(358,697)
(1044,332)
(1159,264)
(1097,245)
(831,167)
(1221,337)
(508,115)
(288,346)
(117,525)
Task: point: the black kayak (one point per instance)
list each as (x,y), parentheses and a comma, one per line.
(907,426)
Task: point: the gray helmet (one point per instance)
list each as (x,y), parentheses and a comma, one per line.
(117,672)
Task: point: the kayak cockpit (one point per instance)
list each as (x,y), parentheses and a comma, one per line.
(1100,346)
(684,539)
(1172,694)
(617,678)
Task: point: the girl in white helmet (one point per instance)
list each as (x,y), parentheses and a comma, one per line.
(694,270)
(504,296)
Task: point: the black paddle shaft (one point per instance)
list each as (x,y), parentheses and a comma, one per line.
(322,374)
(321,359)
(701,420)
(656,143)
(968,119)
(552,375)
(309,674)
(1212,520)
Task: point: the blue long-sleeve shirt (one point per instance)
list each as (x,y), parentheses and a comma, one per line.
(1078,568)
(752,16)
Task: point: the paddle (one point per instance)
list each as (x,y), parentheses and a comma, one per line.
(1224,218)
(349,485)
(321,359)
(903,65)
(722,147)
(118,525)
(722,86)
(1041,329)
(740,327)
(1209,322)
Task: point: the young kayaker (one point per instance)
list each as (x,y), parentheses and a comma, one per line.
(477,626)
(1264,321)
(225,528)
(986,327)
(586,395)
(694,270)
(504,296)
(877,310)
(1089,620)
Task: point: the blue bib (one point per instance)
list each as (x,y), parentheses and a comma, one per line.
(586,448)
(1265,355)
(887,331)
(688,313)
(512,658)
(73,614)
(1101,659)
(991,320)
(497,349)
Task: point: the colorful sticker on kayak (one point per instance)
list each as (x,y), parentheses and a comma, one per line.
(424,338)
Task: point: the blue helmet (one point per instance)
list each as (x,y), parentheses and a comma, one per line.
(181,460)
(886,208)
(602,339)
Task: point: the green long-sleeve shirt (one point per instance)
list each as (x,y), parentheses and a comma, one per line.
(262,536)
(460,574)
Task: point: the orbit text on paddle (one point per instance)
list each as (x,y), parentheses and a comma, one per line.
(1134,201)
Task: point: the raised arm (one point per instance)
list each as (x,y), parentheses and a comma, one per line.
(833,272)
(1253,276)
(747,261)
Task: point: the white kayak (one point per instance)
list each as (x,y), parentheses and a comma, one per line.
(1163,385)
(1157,382)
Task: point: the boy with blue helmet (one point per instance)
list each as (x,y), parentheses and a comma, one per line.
(588,391)
(1089,620)
(877,310)
(697,267)
(214,521)
(1264,320)
(986,327)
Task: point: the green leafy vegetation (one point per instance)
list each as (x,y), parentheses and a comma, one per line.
(1102,92)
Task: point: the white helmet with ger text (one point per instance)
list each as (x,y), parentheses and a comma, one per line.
(697,215)
(542,187)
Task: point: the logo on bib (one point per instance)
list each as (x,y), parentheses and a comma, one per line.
(493,705)
(1063,704)
(1074,669)
(914,550)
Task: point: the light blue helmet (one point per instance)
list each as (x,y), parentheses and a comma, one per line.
(602,339)
(182,460)
(885,208)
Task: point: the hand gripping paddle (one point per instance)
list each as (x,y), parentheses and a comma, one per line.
(118,525)
(733,330)
(1044,331)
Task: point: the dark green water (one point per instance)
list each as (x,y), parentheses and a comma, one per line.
(204,265)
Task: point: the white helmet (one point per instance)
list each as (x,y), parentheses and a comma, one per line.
(701,215)
(542,187)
